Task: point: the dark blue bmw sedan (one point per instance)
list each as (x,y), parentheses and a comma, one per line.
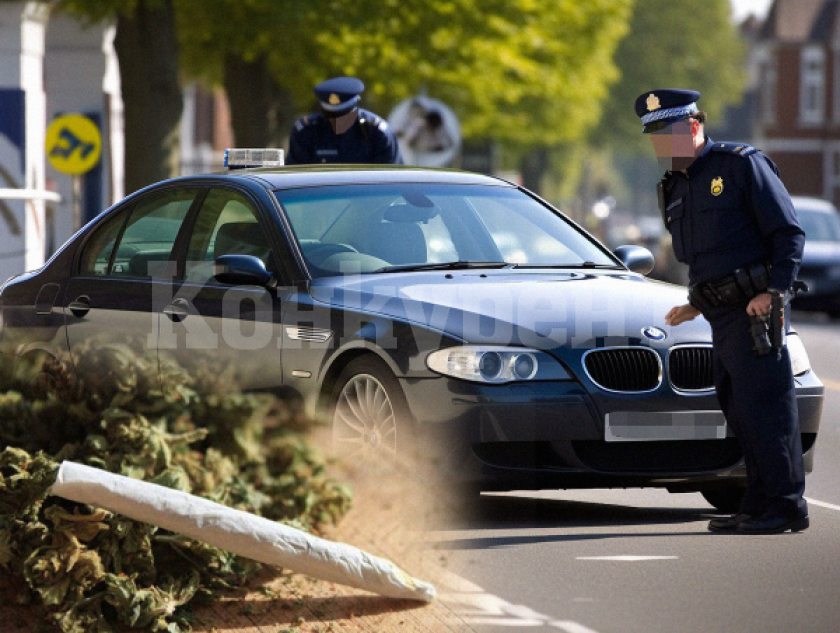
(407,308)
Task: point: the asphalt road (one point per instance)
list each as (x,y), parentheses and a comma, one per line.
(624,561)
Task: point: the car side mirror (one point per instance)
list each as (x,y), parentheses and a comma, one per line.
(636,258)
(241,270)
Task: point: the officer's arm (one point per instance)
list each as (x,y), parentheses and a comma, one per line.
(777,221)
(297,151)
(385,148)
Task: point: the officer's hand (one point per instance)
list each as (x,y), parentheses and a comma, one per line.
(681,314)
(760,304)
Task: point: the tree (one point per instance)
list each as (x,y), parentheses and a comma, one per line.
(521,71)
(673,44)
(147,52)
(670,44)
(518,71)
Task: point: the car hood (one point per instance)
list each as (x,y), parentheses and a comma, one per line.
(817,253)
(543,309)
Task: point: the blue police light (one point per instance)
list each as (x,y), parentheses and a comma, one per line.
(239,158)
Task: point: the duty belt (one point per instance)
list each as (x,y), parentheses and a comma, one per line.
(741,285)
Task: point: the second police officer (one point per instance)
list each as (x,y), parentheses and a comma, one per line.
(342,132)
(732,222)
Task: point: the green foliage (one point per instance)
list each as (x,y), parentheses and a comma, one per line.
(674,44)
(91,570)
(520,71)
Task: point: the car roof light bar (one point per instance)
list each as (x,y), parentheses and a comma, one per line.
(239,158)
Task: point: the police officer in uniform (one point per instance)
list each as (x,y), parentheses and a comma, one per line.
(342,132)
(732,222)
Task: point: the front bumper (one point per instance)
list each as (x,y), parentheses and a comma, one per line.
(552,435)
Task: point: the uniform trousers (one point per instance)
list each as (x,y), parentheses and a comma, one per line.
(757,396)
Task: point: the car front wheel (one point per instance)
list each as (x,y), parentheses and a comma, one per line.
(371,425)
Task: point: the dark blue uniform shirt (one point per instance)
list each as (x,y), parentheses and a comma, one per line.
(369,140)
(729,210)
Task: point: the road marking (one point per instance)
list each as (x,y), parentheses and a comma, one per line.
(627,558)
(473,605)
(822,504)
(833,385)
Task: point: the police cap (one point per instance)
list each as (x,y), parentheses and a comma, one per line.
(660,108)
(339,95)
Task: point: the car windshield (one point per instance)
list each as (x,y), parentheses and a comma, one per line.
(387,227)
(819,226)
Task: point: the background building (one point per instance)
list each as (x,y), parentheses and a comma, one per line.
(798,99)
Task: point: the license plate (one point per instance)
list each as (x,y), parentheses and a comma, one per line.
(651,426)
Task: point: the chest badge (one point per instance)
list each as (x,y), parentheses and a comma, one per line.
(717,186)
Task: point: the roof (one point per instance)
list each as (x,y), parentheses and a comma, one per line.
(314,175)
(800,21)
(813,204)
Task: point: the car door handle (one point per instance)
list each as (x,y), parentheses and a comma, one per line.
(80,307)
(178,310)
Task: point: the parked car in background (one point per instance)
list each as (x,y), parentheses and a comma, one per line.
(412,309)
(821,259)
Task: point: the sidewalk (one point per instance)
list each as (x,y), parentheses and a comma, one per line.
(388,518)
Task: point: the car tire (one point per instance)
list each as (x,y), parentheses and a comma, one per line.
(726,500)
(371,424)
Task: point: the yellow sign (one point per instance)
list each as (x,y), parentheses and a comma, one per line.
(74,144)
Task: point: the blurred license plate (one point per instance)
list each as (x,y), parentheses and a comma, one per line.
(647,426)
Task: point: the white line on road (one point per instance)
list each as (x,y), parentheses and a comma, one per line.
(570,627)
(822,504)
(627,558)
(475,606)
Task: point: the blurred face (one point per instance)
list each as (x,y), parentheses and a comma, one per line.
(676,145)
(340,124)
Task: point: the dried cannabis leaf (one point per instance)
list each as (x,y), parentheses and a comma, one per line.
(92,570)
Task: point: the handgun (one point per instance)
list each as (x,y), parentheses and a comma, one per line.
(777,319)
(760,332)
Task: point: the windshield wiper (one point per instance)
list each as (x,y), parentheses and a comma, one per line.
(585,265)
(458,265)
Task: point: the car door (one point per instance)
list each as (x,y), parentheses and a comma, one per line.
(222,334)
(124,267)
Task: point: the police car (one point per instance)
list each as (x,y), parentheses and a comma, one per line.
(411,309)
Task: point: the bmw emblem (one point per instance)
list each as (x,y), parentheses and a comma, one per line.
(654,333)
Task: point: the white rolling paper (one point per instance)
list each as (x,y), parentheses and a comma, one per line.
(239,532)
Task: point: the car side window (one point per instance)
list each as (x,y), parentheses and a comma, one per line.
(96,256)
(227,224)
(148,236)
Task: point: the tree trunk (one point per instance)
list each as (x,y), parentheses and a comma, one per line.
(147,50)
(261,113)
(534,165)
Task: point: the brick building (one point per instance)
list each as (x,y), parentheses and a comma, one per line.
(797,62)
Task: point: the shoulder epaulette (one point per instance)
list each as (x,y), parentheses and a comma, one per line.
(306,121)
(741,149)
(370,119)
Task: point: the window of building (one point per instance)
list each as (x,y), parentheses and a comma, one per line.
(767,88)
(836,96)
(812,85)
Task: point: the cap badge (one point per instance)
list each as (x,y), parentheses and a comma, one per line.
(652,102)
(717,186)
(334,99)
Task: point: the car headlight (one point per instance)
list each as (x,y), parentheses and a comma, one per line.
(489,364)
(799,362)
